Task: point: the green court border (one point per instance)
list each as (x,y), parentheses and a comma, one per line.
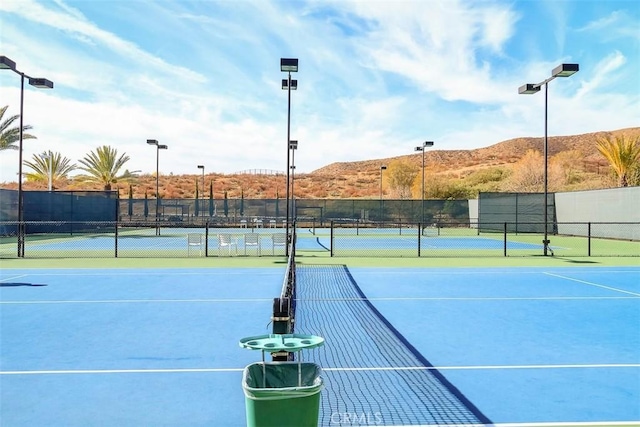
(315,257)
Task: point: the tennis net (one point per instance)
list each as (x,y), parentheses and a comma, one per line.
(371,372)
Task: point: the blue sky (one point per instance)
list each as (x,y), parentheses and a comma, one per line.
(376,78)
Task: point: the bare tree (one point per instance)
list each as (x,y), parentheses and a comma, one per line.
(401,176)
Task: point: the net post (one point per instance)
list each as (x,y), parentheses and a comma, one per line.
(281,320)
(419,236)
(281,315)
(589,239)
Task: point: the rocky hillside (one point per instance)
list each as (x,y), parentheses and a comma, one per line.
(464,171)
(502,153)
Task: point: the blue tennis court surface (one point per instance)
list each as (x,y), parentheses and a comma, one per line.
(307,240)
(410,242)
(159,347)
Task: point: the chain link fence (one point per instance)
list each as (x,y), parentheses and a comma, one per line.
(166,239)
(109,239)
(450,239)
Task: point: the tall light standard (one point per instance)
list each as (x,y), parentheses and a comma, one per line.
(202,167)
(41,83)
(158,148)
(422,148)
(293,146)
(288,65)
(562,70)
(382,168)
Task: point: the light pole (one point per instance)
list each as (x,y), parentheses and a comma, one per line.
(562,70)
(288,65)
(158,148)
(41,83)
(202,167)
(422,148)
(382,168)
(293,146)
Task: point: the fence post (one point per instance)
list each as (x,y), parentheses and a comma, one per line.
(505,239)
(331,241)
(206,239)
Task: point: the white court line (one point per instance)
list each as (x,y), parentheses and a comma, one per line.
(464,298)
(453,271)
(364,369)
(121,371)
(545,424)
(487,367)
(592,284)
(207,300)
(138,301)
(6,279)
(157,271)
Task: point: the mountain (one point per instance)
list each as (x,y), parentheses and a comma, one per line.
(452,173)
(503,153)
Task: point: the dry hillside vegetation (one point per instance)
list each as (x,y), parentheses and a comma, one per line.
(513,165)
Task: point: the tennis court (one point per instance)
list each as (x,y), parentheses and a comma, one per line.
(405,346)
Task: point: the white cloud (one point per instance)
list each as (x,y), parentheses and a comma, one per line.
(436,45)
(602,72)
(375,79)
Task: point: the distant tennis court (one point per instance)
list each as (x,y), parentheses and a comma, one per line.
(404,346)
(409,241)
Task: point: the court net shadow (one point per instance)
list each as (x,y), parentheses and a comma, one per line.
(16,284)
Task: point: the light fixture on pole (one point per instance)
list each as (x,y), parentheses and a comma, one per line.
(288,65)
(562,70)
(382,168)
(422,148)
(158,148)
(41,83)
(293,146)
(202,167)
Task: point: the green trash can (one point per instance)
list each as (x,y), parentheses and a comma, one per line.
(282,394)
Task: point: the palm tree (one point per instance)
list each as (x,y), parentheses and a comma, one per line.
(10,135)
(48,164)
(103,166)
(623,155)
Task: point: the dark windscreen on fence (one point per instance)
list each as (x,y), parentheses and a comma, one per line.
(320,211)
(523,212)
(63,206)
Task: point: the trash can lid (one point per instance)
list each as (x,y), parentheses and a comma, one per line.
(281,342)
